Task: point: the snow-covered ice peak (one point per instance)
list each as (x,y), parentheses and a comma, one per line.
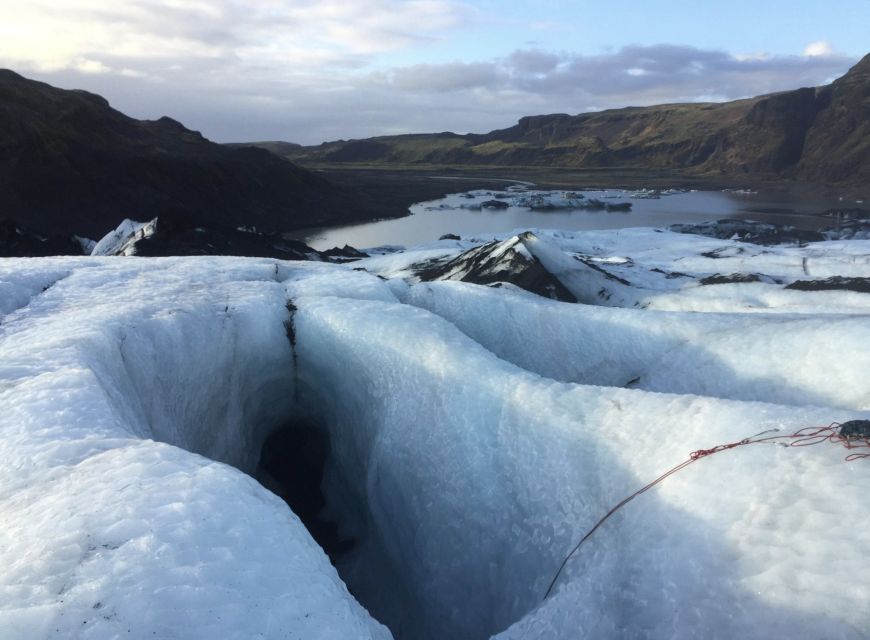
(506,261)
(587,282)
(527,261)
(122,240)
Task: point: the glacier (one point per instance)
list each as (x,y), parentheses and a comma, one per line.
(475,434)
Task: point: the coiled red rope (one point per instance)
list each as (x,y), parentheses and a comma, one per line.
(806,437)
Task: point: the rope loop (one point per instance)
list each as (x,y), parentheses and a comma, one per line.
(806,437)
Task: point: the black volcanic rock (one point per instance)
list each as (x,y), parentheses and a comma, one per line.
(177,234)
(346,253)
(69,163)
(835,283)
(731,278)
(170,239)
(494,204)
(18,242)
(762,233)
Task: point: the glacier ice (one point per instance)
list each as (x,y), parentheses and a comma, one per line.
(475,434)
(122,240)
(788,359)
(121,387)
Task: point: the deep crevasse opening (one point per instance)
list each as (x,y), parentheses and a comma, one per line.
(213,373)
(235,389)
(219,378)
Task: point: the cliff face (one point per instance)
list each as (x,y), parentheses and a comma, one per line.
(809,133)
(69,162)
(769,138)
(837,146)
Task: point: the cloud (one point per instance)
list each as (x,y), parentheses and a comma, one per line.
(453,76)
(533,61)
(631,75)
(51,35)
(820,48)
(89,66)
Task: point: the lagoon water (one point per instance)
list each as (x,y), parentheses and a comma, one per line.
(460,214)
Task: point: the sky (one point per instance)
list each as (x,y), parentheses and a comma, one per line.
(307,71)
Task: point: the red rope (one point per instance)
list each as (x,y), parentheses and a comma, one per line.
(803,438)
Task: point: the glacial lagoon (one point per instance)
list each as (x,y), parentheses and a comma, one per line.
(463,214)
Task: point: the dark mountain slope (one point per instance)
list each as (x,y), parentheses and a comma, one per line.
(810,133)
(70,163)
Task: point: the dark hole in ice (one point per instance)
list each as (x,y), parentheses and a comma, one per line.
(293,461)
(292,464)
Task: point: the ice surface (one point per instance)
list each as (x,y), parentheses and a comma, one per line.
(21,282)
(476,434)
(787,359)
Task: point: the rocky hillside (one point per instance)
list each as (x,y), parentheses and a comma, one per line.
(811,133)
(69,163)
(837,146)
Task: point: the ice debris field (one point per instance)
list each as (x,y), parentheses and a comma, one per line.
(474,434)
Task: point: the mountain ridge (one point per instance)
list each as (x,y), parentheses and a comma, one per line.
(809,133)
(69,162)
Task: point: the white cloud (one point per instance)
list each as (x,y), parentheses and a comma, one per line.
(49,35)
(89,66)
(819,48)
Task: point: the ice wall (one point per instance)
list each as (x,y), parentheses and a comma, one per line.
(108,533)
(478,477)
